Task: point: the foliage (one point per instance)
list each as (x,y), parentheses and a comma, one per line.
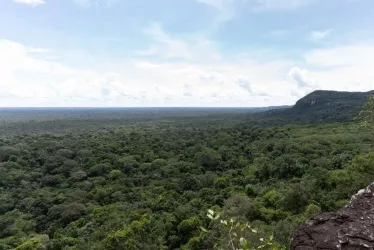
(238,235)
(35,243)
(366,115)
(133,180)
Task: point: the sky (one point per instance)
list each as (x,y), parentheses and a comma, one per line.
(172,53)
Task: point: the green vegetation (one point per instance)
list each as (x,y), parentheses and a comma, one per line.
(148,184)
(234,234)
(366,115)
(322,106)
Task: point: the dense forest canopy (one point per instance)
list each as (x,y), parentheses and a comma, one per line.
(133,181)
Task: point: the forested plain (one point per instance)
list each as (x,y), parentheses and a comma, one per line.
(145,181)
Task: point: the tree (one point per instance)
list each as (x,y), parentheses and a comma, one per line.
(89,185)
(116,174)
(134,236)
(65,153)
(78,176)
(242,207)
(6,152)
(234,234)
(99,169)
(188,227)
(67,212)
(209,158)
(72,212)
(366,115)
(39,242)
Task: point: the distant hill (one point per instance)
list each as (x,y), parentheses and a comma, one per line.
(321,106)
(332,100)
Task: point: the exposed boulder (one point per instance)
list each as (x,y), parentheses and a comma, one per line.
(351,228)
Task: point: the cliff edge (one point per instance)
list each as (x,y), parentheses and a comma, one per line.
(351,228)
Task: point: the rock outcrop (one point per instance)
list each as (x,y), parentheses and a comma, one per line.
(319,106)
(322,99)
(351,228)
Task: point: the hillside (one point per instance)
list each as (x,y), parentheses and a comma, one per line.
(321,106)
(332,101)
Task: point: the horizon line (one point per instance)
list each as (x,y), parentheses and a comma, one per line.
(130,107)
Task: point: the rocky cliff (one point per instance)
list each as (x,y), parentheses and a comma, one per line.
(321,106)
(351,228)
(324,99)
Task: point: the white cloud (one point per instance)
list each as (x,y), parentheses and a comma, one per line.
(166,46)
(303,79)
(276,5)
(30,2)
(99,3)
(227,8)
(198,78)
(258,5)
(343,68)
(169,47)
(245,84)
(358,54)
(27,80)
(317,36)
(218,4)
(38,50)
(278,33)
(30,81)
(218,83)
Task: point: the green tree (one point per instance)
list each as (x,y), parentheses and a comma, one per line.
(38,242)
(366,115)
(234,234)
(209,158)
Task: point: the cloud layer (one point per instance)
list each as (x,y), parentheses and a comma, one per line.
(157,65)
(200,78)
(30,2)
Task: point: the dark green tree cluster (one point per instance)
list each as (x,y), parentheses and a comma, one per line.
(148,185)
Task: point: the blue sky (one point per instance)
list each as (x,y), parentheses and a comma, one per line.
(182,53)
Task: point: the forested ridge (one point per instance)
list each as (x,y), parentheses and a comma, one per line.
(147,182)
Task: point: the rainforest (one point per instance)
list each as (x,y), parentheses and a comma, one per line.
(159,178)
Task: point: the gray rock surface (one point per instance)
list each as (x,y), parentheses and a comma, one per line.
(351,228)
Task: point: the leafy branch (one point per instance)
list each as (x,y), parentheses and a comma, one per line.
(237,234)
